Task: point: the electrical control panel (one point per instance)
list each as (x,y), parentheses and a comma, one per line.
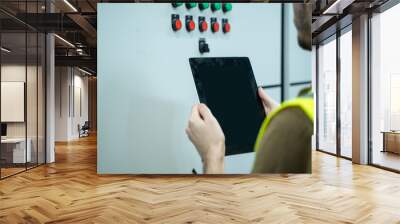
(217,14)
(145,84)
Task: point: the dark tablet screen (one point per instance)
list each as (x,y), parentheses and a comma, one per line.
(228,87)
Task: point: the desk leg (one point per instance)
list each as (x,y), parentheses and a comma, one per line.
(384,142)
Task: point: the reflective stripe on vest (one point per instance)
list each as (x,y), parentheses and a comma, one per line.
(305,104)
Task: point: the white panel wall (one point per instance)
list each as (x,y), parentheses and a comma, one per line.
(61,103)
(15,73)
(67,115)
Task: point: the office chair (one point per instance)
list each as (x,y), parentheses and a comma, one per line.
(84,130)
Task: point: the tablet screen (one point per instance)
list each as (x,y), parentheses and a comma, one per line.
(228,87)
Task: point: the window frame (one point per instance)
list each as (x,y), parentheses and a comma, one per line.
(333,37)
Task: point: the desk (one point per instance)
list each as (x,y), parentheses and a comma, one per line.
(391,141)
(13,150)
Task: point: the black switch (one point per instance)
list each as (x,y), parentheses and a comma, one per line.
(203,46)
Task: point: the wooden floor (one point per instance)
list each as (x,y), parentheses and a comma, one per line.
(70,191)
(5,172)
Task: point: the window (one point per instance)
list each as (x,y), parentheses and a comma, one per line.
(327,96)
(346,93)
(385,89)
(22,101)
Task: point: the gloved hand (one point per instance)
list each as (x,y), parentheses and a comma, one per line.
(206,135)
(268,103)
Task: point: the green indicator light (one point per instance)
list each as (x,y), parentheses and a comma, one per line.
(227,7)
(177,4)
(191,5)
(204,6)
(216,6)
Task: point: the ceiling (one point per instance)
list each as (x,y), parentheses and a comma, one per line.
(329,16)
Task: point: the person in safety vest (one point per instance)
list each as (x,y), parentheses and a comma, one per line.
(283,144)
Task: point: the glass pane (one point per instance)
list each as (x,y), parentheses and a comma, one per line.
(346,94)
(31,85)
(13,89)
(327,97)
(41,99)
(385,86)
(31,100)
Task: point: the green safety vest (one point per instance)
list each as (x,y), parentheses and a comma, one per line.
(305,104)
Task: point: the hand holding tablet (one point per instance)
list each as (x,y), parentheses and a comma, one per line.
(228,87)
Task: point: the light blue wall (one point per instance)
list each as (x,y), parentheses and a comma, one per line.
(146,89)
(275,93)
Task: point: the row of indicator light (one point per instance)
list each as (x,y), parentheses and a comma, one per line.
(226,7)
(203,25)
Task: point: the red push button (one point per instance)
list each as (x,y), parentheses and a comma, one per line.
(190,26)
(215,27)
(177,25)
(227,28)
(203,26)
(176,22)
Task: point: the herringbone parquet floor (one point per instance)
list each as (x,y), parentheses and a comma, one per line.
(70,191)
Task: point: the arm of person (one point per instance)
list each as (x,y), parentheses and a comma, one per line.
(206,134)
(277,154)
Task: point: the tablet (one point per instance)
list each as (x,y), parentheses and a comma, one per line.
(228,87)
